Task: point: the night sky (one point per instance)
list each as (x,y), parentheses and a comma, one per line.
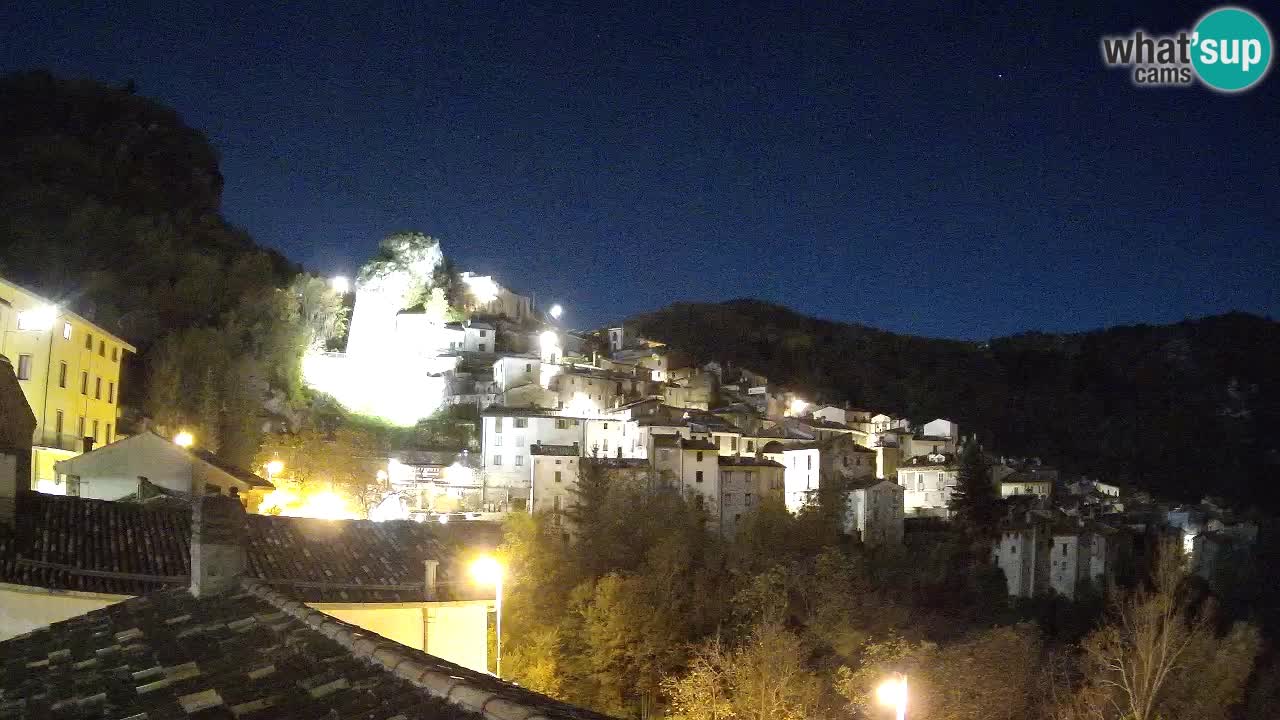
(961,174)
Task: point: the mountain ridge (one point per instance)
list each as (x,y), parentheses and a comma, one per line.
(1182,409)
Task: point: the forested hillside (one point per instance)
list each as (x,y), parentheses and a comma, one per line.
(1184,410)
(109,204)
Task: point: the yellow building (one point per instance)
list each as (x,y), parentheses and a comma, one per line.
(69,370)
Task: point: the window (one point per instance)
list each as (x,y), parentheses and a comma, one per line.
(751,446)
(606,444)
(733,444)
(555,503)
(66,331)
(57,423)
(520,441)
(111,392)
(919,481)
(1064,548)
(482,348)
(84,383)
(88,341)
(497,441)
(80,426)
(699,460)
(564,424)
(107,436)
(809,462)
(62,375)
(697,477)
(719,438)
(102,348)
(497,425)
(483,333)
(97,388)
(95,429)
(115,354)
(24,367)
(497,460)
(519,460)
(846,460)
(521,422)
(528,367)
(557,475)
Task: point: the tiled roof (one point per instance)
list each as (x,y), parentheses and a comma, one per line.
(252,653)
(748,461)
(234,471)
(73,543)
(532,411)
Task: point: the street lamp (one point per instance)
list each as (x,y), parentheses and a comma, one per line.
(340,284)
(275,467)
(893,692)
(486,569)
(184,439)
(556,311)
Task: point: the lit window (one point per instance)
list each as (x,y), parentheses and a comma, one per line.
(24,367)
(66,331)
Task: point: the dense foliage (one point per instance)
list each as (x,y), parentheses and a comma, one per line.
(109,205)
(629,604)
(1181,410)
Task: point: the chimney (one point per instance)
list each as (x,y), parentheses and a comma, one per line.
(430,586)
(217,551)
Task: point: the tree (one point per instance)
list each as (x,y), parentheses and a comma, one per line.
(764,678)
(1158,655)
(974,501)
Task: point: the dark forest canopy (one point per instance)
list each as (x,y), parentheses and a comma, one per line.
(1184,410)
(109,205)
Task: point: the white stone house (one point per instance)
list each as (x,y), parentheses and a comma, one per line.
(114,471)
(506,436)
(928,482)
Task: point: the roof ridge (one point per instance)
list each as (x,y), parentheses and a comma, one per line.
(398,659)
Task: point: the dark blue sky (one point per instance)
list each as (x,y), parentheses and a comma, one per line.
(966,174)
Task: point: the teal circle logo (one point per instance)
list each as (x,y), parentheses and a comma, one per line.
(1231,49)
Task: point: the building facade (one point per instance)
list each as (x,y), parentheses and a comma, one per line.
(69,371)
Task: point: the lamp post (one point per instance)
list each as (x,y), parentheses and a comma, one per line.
(893,692)
(486,570)
(184,439)
(274,468)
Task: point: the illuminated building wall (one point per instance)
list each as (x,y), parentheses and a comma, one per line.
(69,371)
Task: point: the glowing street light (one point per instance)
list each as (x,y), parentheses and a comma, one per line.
(797,407)
(486,569)
(184,439)
(893,692)
(275,467)
(340,284)
(37,319)
(556,311)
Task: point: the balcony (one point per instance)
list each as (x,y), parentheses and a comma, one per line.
(60,441)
